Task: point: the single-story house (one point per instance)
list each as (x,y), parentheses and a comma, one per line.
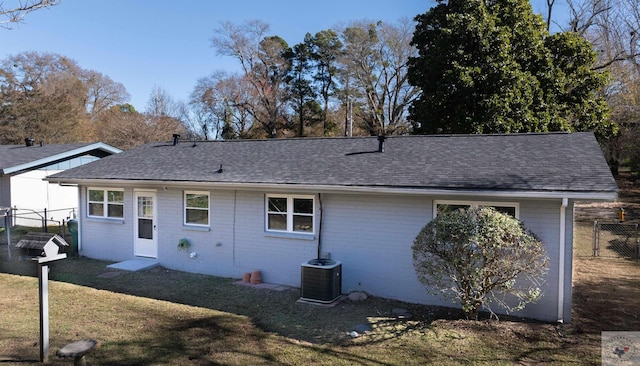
(272,205)
(23,168)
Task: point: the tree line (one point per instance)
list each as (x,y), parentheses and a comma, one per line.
(348,82)
(480,66)
(52,99)
(351,80)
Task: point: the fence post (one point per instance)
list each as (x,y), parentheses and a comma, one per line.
(7,228)
(44,221)
(596,236)
(637,248)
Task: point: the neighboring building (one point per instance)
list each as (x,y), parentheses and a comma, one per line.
(22,172)
(271,205)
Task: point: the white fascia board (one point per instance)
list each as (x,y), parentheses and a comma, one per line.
(62,156)
(574,195)
(103,146)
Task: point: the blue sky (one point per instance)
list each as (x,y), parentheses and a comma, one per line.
(166,43)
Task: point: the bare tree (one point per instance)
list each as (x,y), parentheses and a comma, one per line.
(265,65)
(221,103)
(160,103)
(613,27)
(122,126)
(208,103)
(102,92)
(164,115)
(377,55)
(15,13)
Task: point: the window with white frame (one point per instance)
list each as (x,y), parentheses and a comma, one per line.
(105,202)
(509,208)
(290,213)
(196,208)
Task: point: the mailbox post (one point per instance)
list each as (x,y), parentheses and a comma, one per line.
(50,254)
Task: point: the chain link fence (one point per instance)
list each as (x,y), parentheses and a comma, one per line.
(616,239)
(40,218)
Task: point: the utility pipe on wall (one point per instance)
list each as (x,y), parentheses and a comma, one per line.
(80,213)
(561,259)
(320,227)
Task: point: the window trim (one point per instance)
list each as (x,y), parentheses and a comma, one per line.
(476,204)
(290,214)
(184,209)
(105,203)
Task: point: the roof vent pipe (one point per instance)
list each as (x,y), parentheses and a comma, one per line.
(28,141)
(175,139)
(381,139)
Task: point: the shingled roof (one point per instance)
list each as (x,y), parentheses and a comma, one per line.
(19,158)
(549,162)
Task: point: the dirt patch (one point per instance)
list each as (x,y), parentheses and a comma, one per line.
(606,294)
(606,291)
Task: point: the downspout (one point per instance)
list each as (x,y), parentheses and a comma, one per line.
(80,215)
(561,259)
(320,226)
(235,214)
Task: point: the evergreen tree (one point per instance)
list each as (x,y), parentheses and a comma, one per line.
(491,66)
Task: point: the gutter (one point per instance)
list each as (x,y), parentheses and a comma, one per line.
(284,187)
(561,259)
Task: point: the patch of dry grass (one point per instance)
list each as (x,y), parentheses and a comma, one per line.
(164,317)
(583,239)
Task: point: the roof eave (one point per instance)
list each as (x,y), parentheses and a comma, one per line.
(61,156)
(527,194)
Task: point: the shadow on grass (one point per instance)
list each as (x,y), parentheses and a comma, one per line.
(272,311)
(628,249)
(320,333)
(215,340)
(219,340)
(17,360)
(611,298)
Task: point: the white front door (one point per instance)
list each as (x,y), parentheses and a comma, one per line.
(145,240)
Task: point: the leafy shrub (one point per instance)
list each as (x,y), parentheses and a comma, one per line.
(479,257)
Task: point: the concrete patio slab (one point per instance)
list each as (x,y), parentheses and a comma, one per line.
(137,264)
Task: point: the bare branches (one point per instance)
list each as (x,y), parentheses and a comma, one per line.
(17,12)
(376,55)
(550,4)
(612,26)
(588,14)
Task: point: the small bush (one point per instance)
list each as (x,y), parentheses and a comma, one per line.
(478,257)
